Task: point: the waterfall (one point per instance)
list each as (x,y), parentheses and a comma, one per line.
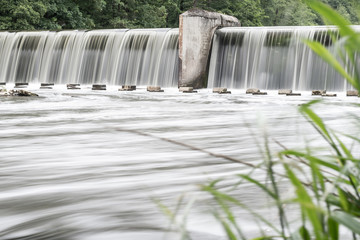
(273,58)
(131,57)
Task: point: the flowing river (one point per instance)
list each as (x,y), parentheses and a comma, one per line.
(81,164)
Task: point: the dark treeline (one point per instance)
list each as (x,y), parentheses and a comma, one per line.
(93,14)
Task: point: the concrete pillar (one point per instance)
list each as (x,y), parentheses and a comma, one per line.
(196,31)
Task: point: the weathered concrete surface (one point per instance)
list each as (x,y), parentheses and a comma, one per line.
(252,90)
(127,88)
(154,89)
(196,31)
(352,93)
(318,92)
(284,91)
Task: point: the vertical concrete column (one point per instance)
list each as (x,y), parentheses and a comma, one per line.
(196,31)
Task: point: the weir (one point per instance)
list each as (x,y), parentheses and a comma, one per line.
(273,58)
(197,55)
(118,57)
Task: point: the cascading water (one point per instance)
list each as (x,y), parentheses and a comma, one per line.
(132,57)
(272,58)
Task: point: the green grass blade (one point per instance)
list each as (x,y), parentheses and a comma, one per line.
(306,203)
(325,54)
(333,227)
(347,220)
(236,202)
(311,158)
(230,216)
(343,200)
(226,226)
(262,186)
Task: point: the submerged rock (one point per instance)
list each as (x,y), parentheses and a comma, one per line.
(293,94)
(19,93)
(259,93)
(329,95)
(187,90)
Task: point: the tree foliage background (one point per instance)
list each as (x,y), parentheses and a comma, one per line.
(93,14)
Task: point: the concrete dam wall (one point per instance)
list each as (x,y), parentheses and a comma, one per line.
(209,49)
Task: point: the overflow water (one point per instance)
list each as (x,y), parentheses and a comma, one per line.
(118,57)
(272,58)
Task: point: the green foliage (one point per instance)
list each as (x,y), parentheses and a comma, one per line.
(90,14)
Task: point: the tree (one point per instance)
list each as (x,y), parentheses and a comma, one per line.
(21,15)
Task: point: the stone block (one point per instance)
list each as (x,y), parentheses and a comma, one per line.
(352,93)
(128,88)
(318,92)
(252,90)
(97,87)
(154,89)
(329,95)
(21,85)
(46,85)
(186,89)
(284,91)
(259,93)
(73,86)
(221,90)
(2,83)
(293,94)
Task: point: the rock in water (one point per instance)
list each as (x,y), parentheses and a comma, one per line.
(252,90)
(284,91)
(128,88)
(318,92)
(19,93)
(221,90)
(154,89)
(352,93)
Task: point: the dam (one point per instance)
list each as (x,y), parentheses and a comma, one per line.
(234,57)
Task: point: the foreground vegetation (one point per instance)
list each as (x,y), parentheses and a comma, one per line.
(90,14)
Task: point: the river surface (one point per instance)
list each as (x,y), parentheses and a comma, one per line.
(83,164)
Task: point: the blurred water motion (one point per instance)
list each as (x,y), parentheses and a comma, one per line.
(76,166)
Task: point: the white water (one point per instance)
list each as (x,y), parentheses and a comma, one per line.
(77,165)
(118,57)
(273,58)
